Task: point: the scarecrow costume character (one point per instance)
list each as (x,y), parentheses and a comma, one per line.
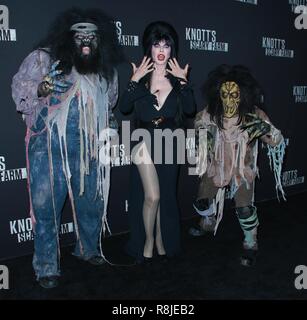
(227,134)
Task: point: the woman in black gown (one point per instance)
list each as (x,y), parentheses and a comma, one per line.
(159,96)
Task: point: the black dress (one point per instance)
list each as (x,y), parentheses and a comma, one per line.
(139,100)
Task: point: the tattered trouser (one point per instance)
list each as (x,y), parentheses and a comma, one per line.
(245,211)
(48,201)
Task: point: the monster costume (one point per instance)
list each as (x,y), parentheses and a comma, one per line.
(228,130)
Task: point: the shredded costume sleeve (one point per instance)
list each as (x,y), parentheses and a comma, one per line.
(276,151)
(274,137)
(25,84)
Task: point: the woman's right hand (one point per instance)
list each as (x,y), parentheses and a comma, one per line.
(144,68)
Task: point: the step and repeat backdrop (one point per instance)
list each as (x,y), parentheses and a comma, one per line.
(268,36)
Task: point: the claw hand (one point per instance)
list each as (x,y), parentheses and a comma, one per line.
(255,126)
(53,82)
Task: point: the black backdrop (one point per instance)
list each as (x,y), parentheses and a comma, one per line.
(240,32)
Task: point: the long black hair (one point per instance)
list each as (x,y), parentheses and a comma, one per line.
(60,46)
(251,93)
(154,33)
(157,31)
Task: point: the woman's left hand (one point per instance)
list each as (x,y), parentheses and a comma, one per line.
(176,70)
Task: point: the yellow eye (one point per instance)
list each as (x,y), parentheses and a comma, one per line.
(235,95)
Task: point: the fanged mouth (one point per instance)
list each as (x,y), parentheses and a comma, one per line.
(230,111)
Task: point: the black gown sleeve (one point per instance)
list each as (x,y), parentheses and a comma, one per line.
(188,100)
(132,93)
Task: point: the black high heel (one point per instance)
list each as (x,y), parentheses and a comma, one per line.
(147,261)
(144,261)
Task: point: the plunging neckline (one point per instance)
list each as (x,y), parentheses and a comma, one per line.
(156,99)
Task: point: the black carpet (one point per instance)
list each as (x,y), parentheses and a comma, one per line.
(207,269)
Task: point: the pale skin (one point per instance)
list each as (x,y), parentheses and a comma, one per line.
(160,85)
(160,64)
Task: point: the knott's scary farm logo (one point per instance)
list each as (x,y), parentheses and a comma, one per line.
(295,3)
(11,174)
(23,229)
(255,2)
(204,39)
(291,178)
(119,157)
(276,48)
(6,34)
(300,94)
(126,40)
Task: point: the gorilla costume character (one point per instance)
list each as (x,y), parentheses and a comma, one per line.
(66,89)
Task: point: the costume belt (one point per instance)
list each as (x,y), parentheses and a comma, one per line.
(158,123)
